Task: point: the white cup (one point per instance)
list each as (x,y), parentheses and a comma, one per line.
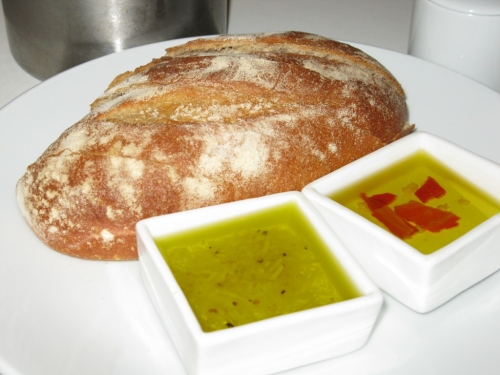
(462,35)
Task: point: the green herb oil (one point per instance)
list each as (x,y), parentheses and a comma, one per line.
(255,267)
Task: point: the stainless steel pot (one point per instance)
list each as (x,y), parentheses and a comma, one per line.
(49,36)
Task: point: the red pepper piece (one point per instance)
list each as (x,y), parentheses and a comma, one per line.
(378,205)
(429,190)
(378,200)
(429,218)
(396,224)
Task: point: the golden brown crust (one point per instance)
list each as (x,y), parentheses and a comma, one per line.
(215,120)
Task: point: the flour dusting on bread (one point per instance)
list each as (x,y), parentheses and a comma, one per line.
(214,120)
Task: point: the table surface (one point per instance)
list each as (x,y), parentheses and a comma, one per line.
(380,23)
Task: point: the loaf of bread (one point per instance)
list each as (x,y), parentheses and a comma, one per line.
(214,120)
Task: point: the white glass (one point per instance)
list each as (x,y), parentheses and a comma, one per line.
(462,35)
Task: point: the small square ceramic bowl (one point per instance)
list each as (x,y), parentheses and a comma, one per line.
(426,278)
(274,343)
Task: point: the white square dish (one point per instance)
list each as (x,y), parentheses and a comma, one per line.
(265,346)
(420,281)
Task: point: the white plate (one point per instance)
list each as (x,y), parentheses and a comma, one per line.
(60,315)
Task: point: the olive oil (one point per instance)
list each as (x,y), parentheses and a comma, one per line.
(462,198)
(255,267)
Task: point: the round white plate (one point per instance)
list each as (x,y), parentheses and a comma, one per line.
(61,315)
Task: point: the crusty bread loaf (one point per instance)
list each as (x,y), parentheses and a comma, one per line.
(215,120)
